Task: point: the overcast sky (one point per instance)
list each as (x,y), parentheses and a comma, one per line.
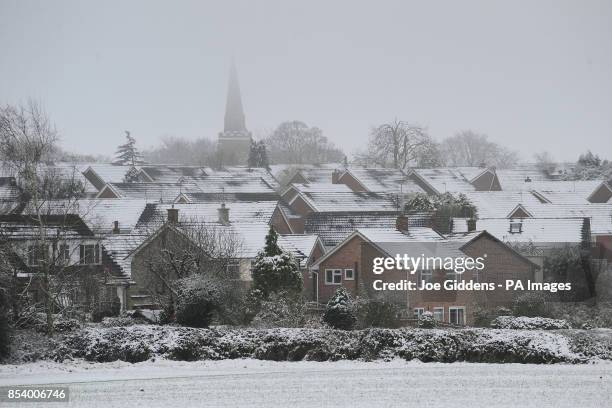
(532,75)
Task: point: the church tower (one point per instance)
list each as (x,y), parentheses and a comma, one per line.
(235,140)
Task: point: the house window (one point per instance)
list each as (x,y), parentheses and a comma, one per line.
(349,274)
(456,315)
(451,275)
(516,227)
(333,276)
(438,313)
(233,268)
(418,312)
(63,254)
(426,276)
(37,254)
(89,254)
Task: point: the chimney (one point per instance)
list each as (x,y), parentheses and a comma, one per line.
(336,176)
(173,215)
(116,229)
(223,213)
(401,223)
(471,224)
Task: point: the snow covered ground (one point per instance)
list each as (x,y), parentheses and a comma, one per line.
(255,383)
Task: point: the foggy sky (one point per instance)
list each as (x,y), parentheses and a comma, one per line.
(532,75)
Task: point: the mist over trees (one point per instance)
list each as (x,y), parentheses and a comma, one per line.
(469,148)
(399,145)
(294,142)
(180,150)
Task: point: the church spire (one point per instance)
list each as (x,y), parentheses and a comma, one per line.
(234,114)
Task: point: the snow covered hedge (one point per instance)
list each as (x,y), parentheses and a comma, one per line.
(139,343)
(529,323)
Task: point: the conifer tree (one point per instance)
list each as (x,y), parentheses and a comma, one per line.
(258,156)
(128,154)
(276,270)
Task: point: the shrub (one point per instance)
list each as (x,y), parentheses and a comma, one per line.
(60,325)
(276,270)
(584,315)
(196,302)
(5,326)
(281,310)
(137,343)
(531,304)
(529,323)
(427,321)
(376,313)
(483,316)
(339,312)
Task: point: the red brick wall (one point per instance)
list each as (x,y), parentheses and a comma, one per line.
(297,224)
(347,257)
(300,207)
(279,223)
(351,182)
(501,263)
(487,182)
(601,195)
(288,196)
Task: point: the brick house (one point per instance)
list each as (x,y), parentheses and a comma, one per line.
(66,248)
(137,255)
(350,264)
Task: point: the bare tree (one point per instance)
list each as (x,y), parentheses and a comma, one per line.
(468,148)
(397,144)
(192,249)
(295,143)
(178,150)
(545,162)
(44,232)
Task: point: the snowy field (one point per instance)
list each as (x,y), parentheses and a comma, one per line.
(255,383)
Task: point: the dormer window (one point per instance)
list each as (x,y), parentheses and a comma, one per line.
(516,227)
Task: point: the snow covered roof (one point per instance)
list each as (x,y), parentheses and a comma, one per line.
(243,171)
(384,180)
(349,201)
(109,173)
(240,213)
(333,227)
(102,213)
(165,192)
(233,183)
(540,231)
(119,247)
(450,179)
(301,245)
(416,242)
(19,226)
(230,197)
(317,188)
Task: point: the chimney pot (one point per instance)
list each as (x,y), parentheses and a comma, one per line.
(223,213)
(336,176)
(401,223)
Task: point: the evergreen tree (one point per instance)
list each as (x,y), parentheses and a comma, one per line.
(339,312)
(272,248)
(258,155)
(276,270)
(128,153)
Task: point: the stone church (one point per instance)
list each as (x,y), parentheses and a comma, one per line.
(235,140)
